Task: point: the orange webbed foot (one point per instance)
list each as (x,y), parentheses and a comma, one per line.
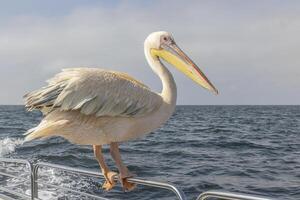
(127,186)
(109,180)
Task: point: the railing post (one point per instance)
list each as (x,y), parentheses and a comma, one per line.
(34,185)
(30,165)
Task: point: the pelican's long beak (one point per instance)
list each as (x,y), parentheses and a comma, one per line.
(176,57)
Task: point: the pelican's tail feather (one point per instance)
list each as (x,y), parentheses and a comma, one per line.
(44,129)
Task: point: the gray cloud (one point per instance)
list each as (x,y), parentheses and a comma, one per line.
(249,50)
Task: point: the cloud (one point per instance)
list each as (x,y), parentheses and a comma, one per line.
(249,50)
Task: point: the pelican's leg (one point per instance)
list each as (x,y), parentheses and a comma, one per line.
(108,175)
(123,170)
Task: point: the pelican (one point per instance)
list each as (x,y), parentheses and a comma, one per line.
(91,106)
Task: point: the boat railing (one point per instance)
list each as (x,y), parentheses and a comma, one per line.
(228,196)
(180,195)
(7,193)
(34,180)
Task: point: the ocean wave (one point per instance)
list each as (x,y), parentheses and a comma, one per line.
(8,145)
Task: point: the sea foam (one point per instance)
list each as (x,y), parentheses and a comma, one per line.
(8,145)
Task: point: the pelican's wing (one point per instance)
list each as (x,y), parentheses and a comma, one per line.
(94,92)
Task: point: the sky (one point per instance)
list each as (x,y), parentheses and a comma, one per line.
(250,50)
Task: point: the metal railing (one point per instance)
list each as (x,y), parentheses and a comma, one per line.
(228,196)
(180,195)
(30,179)
(33,177)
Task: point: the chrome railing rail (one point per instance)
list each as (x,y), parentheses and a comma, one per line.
(30,177)
(14,193)
(35,181)
(4,197)
(228,196)
(180,195)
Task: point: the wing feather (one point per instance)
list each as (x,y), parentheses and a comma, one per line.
(95,92)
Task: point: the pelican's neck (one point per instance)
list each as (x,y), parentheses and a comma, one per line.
(169,90)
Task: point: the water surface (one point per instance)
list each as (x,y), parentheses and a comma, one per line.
(252,149)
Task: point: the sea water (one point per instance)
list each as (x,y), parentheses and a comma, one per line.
(250,149)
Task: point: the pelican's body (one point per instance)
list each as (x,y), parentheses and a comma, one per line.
(94,106)
(84,126)
(90,130)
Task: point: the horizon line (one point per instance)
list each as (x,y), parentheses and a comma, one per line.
(201,105)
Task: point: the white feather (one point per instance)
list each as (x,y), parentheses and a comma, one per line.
(95,92)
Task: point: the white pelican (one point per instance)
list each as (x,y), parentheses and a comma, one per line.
(95,106)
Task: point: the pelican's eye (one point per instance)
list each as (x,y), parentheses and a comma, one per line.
(165,40)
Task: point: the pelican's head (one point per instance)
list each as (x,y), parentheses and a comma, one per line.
(162,45)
